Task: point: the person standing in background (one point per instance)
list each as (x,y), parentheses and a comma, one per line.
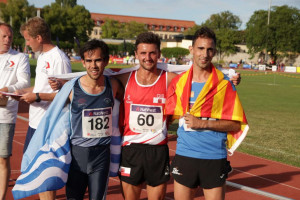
(51,61)
(14,75)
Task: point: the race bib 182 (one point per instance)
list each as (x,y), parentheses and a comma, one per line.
(97,122)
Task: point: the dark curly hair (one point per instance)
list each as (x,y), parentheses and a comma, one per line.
(204,32)
(94,44)
(148,38)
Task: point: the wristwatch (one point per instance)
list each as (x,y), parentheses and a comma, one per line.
(38,98)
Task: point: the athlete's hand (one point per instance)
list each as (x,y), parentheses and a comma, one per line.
(28,97)
(54,83)
(194,122)
(2,95)
(236,79)
(18,92)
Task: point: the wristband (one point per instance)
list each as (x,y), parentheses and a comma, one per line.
(38,98)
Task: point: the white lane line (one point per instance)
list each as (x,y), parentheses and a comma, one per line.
(271,150)
(20,132)
(15,171)
(266,179)
(20,135)
(256,191)
(253,190)
(230,183)
(23,118)
(20,143)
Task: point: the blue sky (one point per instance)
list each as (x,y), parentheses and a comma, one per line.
(194,10)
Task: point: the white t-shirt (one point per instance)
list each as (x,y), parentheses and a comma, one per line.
(15,75)
(52,62)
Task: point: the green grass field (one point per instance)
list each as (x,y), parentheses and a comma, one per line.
(272,105)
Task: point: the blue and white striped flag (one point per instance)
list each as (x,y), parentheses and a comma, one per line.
(46,162)
(48,170)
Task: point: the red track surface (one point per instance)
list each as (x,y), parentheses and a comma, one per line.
(250,171)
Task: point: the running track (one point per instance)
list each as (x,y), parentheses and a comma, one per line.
(253,178)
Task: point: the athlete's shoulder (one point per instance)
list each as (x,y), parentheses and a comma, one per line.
(58,53)
(117,88)
(122,78)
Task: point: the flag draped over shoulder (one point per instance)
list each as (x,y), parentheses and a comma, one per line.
(218,99)
(46,162)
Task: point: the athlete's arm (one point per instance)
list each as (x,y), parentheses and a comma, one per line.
(5,89)
(22,92)
(56,84)
(71,96)
(123,78)
(118,88)
(31,97)
(214,125)
(171,75)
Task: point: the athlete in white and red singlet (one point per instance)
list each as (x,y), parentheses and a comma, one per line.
(145,122)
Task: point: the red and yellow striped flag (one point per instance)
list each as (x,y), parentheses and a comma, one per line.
(218,99)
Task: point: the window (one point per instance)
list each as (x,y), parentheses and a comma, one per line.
(95,32)
(168,28)
(182,29)
(175,28)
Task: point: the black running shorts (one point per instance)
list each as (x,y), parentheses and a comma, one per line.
(145,163)
(193,172)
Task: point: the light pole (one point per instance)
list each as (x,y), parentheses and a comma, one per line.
(268,23)
(270,1)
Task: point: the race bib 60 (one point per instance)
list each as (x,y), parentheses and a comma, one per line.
(145,118)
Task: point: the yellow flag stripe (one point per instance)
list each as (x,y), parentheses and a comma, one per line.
(218,102)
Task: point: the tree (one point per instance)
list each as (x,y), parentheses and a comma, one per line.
(71,3)
(131,30)
(281,36)
(81,21)
(114,29)
(176,52)
(192,30)
(226,26)
(111,28)
(15,12)
(67,20)
(126,47)
(223,20)
(119,49)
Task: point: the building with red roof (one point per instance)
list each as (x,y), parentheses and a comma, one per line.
(165,28)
